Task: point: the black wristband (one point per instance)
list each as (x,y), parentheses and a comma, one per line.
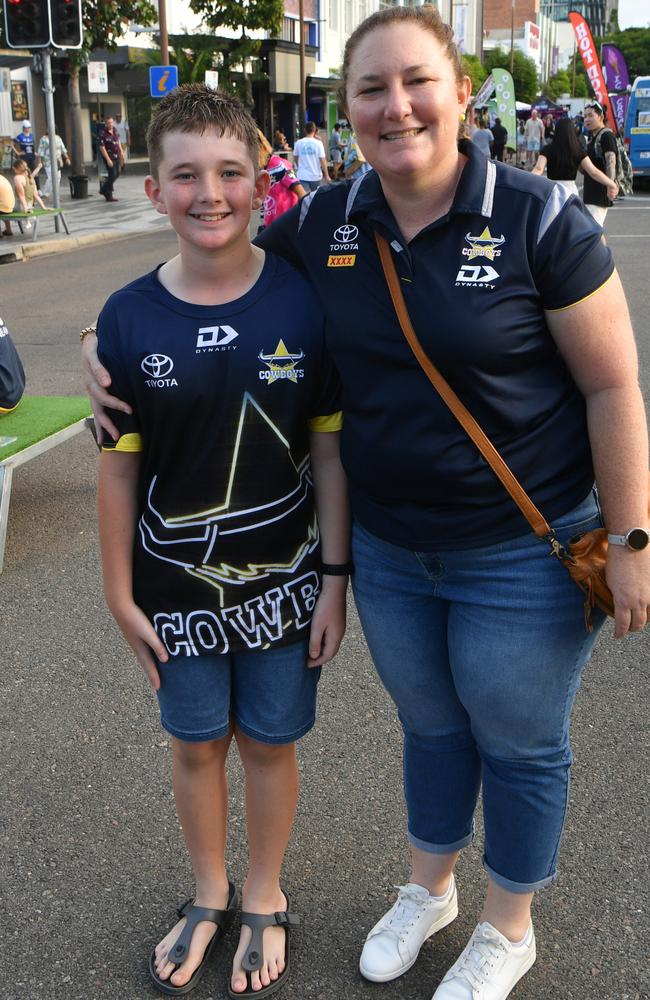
(337,569)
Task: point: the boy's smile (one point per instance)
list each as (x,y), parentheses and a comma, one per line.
(208,186)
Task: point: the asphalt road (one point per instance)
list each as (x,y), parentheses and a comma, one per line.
(92,862)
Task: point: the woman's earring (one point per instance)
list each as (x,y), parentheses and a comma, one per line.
(462,116)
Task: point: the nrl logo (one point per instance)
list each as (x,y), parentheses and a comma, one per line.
(484,245)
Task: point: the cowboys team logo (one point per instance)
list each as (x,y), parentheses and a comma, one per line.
(158,367)
(345,240)
(484,245)
(280,365)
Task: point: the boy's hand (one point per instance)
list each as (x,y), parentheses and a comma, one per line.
(142,638)
(328,621)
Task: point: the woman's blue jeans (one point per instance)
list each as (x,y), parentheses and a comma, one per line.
(481,651)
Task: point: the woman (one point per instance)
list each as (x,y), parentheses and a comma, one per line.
(25,188)
(565,155)
(477,634)
(549,127)
(521,143)
(280,140)
(483,136)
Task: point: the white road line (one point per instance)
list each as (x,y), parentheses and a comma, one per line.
(626,236)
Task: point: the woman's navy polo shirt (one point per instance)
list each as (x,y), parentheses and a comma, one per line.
(476,283)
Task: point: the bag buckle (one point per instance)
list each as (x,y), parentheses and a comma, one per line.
(557,549)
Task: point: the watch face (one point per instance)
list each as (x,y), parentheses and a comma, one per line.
(637,539)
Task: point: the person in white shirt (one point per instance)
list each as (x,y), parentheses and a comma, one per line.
(534,131)
(482,136)
(309,156)
(124,133)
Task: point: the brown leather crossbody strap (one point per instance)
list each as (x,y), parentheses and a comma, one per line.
(534,517)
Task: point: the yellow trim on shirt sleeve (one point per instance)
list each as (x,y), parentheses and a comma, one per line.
(327,424)
(11,408)
(128,443)
(584,299)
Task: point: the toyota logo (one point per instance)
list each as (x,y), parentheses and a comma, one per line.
(346,234)
(157,365)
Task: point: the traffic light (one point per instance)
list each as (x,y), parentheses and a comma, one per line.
(65,24)
(27,24)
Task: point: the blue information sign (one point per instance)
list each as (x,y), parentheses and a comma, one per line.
(162,79)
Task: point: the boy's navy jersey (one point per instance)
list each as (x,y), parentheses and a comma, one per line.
(476,283)
(226,551)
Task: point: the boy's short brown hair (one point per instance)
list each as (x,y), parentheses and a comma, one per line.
(193,107)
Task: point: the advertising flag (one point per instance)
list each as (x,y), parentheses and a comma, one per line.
(590,58)
(617,77)
(505,94)
(619,103)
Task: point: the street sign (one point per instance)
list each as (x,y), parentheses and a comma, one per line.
(97,78)
(212,79)
(162,80)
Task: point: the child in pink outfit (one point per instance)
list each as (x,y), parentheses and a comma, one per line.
(285,191)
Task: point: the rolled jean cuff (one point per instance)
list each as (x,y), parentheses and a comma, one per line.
(423,845)
(519,887)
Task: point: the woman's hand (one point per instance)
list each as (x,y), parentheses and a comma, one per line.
(612,191)
(142,638)
(628,577)
(96,380)
(328,621)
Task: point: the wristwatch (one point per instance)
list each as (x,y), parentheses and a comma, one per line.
(636,539)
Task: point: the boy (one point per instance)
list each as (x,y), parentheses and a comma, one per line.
(210,544)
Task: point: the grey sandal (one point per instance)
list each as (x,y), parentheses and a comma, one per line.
(254,958)
(178,953)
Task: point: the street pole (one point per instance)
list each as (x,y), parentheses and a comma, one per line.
(164,38)
(303,88)
(48,90)
(512,38)
(573,78)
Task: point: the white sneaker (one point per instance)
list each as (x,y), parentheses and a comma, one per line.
(489,968)
(394,943)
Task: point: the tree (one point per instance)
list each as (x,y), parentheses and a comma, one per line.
(524,72)
(245,16)
(557,85)
(475,70)
(193,54)
(104,24)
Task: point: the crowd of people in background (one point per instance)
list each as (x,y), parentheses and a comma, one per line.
(562,147)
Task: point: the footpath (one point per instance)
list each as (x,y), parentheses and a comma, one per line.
(90,220)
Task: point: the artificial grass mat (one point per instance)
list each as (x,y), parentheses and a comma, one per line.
(37,417)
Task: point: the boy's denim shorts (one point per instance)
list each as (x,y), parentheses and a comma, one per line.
(269,694)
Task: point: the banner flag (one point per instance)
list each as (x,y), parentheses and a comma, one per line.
(592,64)
(506,108)
(619,104)
(485,91)
(617,77)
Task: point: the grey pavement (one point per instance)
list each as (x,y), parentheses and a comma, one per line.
(92,861)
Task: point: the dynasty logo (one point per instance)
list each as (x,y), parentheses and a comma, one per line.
(484,245)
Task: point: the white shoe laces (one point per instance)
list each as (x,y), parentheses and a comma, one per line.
(484,951)
(405,912)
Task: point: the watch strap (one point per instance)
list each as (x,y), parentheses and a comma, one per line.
(337,569)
